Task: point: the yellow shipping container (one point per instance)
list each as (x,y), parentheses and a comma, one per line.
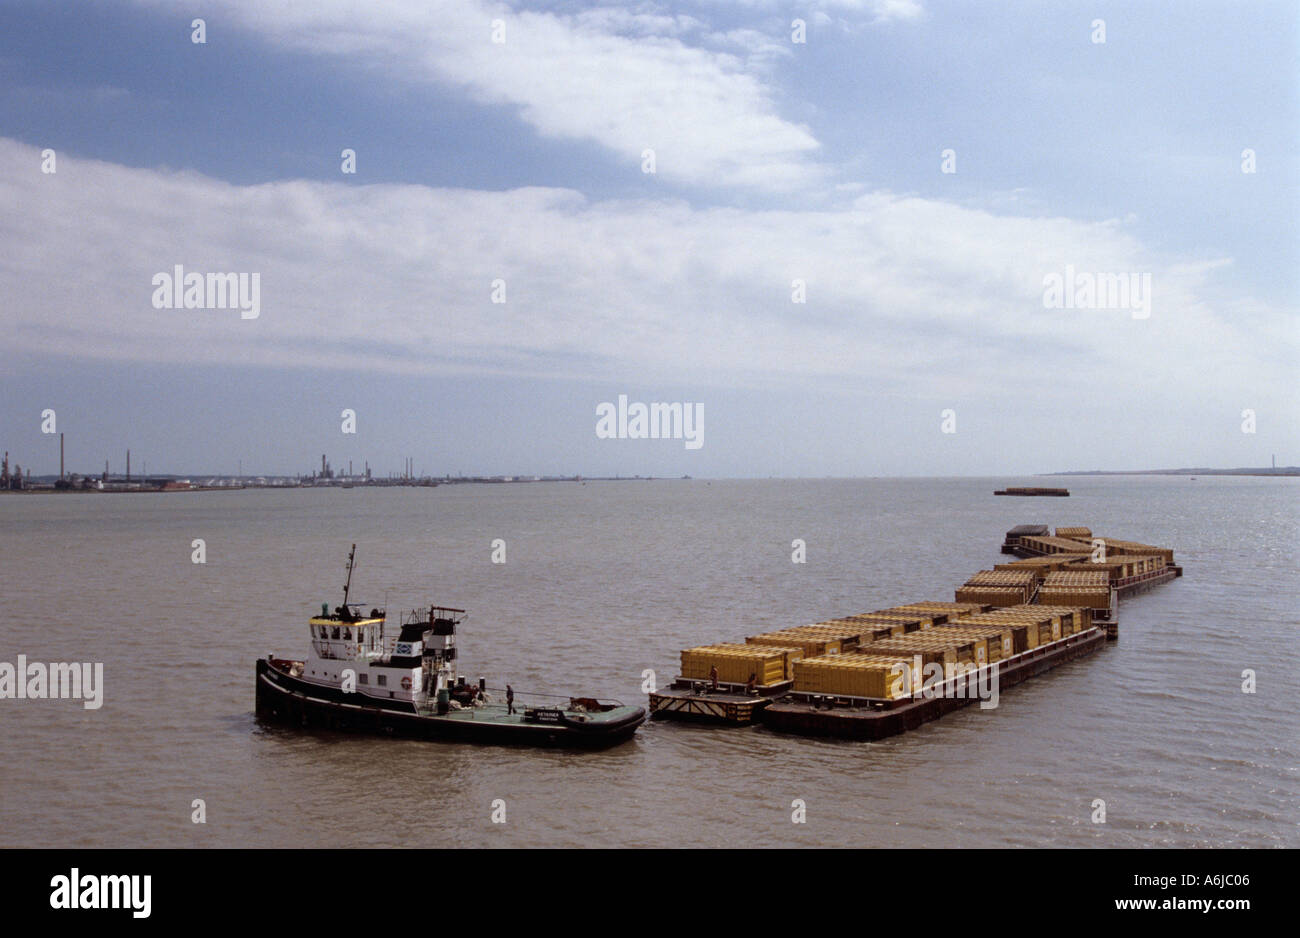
(1016,577)
(735,662)
(1077,617)
(1034,634)
(936,609)
(911,621)
(810,644)
(999,639)
(853,676)
(1078,533)
(994,595)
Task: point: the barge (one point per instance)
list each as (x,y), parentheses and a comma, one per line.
(1130,567)
(874,675)
(1030,490)
(355,678)
(855,718)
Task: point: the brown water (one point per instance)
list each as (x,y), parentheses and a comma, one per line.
(602,581)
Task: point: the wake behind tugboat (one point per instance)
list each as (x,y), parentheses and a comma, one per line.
(353,680)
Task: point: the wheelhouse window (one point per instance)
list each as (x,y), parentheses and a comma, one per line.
(335,632)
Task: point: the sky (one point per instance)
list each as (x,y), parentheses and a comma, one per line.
(838,250)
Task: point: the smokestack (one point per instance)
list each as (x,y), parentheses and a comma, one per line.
(60,457)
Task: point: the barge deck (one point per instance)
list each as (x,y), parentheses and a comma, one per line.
(698,702)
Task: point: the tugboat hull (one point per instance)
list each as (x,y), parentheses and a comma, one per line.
(287,699)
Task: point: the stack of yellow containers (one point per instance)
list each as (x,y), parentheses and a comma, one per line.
(1076,577)
(882,677)
(1056,545)
(1024,635)
(1114,546)
(999,587)
(910,621)
(1116,566)
(940,611)
(935,645)
(1089,588)
(1029,630)
(992,595)
(1045,564)
(1077,533)
(735,662)
(1049,622)
(1000,639)
(869,631)
(810,642)
(1074,618)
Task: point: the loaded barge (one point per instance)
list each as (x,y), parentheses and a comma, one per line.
(1073,554)
(877,674)
(355,678)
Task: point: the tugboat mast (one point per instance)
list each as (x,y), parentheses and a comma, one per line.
(348,585)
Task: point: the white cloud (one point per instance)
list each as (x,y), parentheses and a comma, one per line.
(904,293)
(625,80)
(876,11)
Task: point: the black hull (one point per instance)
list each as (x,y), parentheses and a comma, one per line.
(287,700)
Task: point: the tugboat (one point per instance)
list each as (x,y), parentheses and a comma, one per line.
(353,678)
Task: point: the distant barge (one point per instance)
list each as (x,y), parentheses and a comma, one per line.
(1057,493)
(878,674)
(354,679)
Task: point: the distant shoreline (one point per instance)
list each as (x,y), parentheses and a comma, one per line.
(1266,471)
(166,485)
(44,485)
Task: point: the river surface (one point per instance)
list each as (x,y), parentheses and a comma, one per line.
(603,581)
